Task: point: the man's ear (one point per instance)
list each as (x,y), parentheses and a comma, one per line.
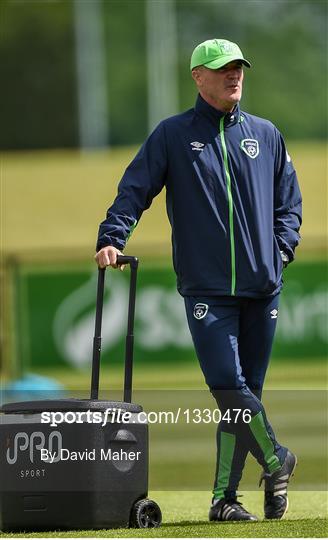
(196,75)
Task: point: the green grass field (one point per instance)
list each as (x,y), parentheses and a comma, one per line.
(185,516)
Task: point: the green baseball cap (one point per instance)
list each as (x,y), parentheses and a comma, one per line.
(216,53)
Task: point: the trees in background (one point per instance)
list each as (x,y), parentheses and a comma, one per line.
(286,42)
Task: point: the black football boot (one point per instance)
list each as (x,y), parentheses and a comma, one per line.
(275,488)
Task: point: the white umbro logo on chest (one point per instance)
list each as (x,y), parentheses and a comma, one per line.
(198,146)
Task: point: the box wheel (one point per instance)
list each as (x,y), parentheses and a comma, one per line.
(145,514)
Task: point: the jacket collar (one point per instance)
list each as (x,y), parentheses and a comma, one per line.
(214,115)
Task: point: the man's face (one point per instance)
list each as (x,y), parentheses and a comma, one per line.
(220,85)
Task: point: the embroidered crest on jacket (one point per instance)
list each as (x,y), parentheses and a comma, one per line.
(251,147)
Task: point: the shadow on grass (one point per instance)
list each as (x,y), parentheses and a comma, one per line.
(259,523)
(210,523)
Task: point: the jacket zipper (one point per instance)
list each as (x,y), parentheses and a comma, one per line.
(230,202)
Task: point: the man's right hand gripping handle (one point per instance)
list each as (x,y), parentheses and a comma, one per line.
(107,257)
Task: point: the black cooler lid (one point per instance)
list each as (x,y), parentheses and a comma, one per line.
(62,405)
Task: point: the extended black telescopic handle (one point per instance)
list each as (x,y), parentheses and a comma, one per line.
(133,262)
(97,337)
(129,340)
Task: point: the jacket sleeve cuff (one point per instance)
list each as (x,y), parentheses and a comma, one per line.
(286,249)
(284,258)
(109,242)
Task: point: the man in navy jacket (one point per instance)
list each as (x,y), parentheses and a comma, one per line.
(234,205)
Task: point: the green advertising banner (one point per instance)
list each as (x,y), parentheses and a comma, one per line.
(56,308)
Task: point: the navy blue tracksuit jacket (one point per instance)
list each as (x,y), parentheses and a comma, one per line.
(232,196)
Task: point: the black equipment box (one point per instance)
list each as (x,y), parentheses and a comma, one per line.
(89,469)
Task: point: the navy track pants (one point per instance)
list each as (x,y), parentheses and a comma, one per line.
(233,338)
